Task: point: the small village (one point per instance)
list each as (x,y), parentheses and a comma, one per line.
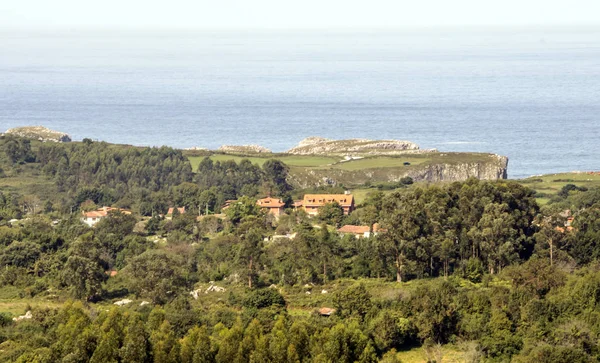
(311,204)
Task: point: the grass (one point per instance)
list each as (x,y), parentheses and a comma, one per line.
(380,162)
(551,184)
(448,353)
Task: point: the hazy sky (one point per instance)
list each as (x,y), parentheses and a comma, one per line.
(295,14)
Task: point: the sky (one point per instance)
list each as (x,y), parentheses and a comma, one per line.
(298,14)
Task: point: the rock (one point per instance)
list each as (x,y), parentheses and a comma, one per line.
(40,133)
(214,288)
(308,293)
(322,146)
(272,286)
(195,293)
(123,302)
(324,291)
(27,315)
(254,149)
(144,303)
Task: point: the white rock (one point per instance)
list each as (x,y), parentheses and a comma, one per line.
(324,291)
(144,303)
(27,315)
(308,293)
(195,293)
(214,288)
(123,302)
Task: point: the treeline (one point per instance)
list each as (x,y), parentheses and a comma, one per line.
(147,180)
(532,312)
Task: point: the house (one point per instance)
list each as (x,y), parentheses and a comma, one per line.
(169,215)
(313,202)
(273,206)
(360,231)
(93,217)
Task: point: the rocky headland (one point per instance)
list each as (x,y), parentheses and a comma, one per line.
(321,146)
(40,133)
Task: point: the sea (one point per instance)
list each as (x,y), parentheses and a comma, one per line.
(532,94)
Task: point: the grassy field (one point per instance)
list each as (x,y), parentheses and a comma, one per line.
(552,183)
(380,162)
(373,162)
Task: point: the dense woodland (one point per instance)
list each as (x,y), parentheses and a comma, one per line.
(476,265)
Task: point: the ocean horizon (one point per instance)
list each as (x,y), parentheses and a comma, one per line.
(529,94)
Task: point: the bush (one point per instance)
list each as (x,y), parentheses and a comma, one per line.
(263,298)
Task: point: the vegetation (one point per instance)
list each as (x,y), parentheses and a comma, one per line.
(465,271)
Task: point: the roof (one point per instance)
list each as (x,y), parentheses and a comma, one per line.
(318,200)
(103,212)
(297,203)
(354,229)
(326,311)
(361,229)
(270,202)
(181,210)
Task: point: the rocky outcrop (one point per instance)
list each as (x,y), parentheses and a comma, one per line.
(322,146)
(243,149)
(40,133)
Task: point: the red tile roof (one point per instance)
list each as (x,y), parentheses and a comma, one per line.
(354,229)
(326,311)
(181,210)
(270,202)
(318,200)
(103,212)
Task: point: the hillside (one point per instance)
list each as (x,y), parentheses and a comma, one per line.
(319,170)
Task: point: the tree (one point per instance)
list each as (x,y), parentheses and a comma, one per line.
(135,343)
(156,274)
(83,272)
(276,174)
(354,301)
(331,213)
(263,298)
(250,250)
(242,208)
(404,218)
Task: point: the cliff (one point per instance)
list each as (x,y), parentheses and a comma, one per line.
(435,167)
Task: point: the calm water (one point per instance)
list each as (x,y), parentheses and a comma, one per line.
(533,95)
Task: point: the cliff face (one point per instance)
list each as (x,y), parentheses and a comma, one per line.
(490,167)
(459,172)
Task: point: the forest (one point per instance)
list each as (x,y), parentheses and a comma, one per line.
(477,269)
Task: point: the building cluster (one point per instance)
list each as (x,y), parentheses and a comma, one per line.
(311,204)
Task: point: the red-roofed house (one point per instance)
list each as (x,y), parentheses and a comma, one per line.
(93,217)
(274,206)
(360,231)
(170,212)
